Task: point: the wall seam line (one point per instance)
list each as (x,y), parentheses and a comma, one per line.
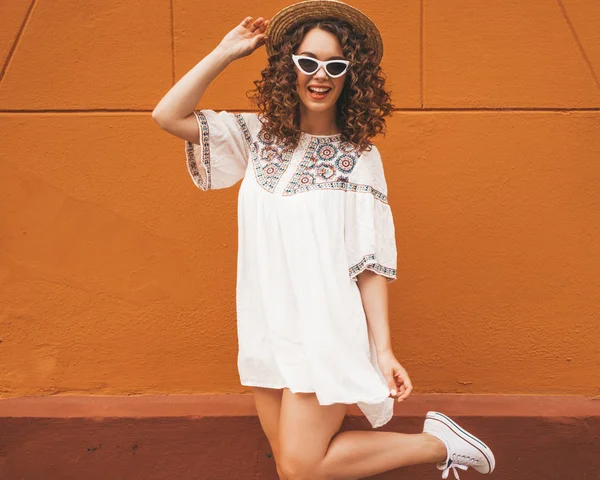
(172,21)
(16,41)
(421,49)
(579,43)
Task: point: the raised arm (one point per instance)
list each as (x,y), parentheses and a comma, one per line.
(174,112)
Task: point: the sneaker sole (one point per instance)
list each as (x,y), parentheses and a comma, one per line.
(467,437)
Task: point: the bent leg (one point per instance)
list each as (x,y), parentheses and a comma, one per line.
(312,447)
(305,432)
(358,454)
(268,407)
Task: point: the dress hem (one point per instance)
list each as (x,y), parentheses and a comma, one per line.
(255,383)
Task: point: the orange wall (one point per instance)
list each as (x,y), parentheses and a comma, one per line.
(117,275)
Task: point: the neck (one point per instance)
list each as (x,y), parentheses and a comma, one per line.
(318,123)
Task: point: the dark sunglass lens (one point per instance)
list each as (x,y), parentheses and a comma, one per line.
(336,68)
(308,65)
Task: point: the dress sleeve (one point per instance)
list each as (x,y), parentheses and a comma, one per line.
(220,157)
(369,231)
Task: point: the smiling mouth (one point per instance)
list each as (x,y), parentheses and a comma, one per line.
(318,94)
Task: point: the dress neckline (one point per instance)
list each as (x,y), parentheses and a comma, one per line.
(335,136)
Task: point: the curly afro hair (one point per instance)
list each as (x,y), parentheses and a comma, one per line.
(361,108)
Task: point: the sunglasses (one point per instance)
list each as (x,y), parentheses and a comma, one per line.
(309,65)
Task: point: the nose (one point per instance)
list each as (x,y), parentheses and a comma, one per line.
(321,73)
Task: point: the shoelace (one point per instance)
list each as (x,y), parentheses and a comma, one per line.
(454,466)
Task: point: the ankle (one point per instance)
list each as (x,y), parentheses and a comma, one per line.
(439,451)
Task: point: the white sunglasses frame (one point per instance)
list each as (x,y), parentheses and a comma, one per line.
(320,64)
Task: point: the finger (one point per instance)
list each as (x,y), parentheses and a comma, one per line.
(261,40)
(406,393)
(392,387)
(401,392)
(401,396)
(246,21)
(402,378)
(256,24)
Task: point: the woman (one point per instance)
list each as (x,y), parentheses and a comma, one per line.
(316,242)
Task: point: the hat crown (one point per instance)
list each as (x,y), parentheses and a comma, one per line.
(297,13)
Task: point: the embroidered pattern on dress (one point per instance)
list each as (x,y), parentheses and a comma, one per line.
(205,143)
(377,267)
(269,160)
(327,164)
(244,128)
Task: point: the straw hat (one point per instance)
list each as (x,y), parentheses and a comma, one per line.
(292,15)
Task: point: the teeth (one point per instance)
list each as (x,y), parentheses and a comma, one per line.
(319,90)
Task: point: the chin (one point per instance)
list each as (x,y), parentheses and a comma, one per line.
(317,108)
(313,106)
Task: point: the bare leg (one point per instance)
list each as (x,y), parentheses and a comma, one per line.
(268,407)
(359,454)
(305,431)
(313,448)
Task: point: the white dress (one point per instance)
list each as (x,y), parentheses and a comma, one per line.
(309,220)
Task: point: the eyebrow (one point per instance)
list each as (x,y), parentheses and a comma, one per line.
(310,54)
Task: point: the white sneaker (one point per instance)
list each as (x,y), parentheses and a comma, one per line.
(464,450)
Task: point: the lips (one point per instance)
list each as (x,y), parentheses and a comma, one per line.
(318,95)
(319,89)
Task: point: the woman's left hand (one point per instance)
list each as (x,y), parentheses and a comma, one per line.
(397,377)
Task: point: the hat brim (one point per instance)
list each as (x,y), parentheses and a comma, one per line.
(297,13)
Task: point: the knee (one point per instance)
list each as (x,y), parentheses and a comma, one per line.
(294,467)
(280,471)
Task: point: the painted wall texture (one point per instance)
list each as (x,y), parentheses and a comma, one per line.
(117,275)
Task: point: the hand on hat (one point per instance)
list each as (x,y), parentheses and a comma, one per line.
(245,37)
